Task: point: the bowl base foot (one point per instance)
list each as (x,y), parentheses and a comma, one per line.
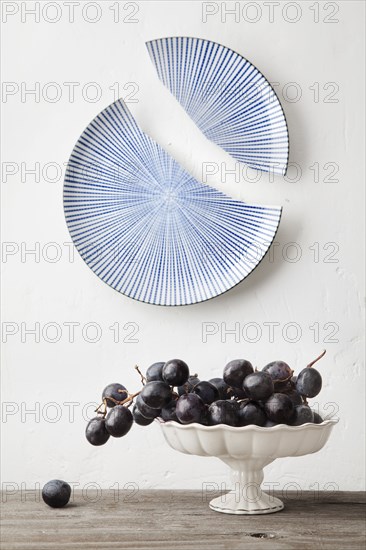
(230,504)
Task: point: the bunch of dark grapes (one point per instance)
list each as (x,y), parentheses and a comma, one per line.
(242,397)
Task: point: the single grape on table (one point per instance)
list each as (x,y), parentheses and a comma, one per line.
(244,396)
(56,493)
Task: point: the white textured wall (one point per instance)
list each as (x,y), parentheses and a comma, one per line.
(323,289)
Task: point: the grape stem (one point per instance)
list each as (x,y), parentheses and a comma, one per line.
(104,403)
(129,399)
(186,385)
(143,378)
(284,379)
(317,359)
(245,399)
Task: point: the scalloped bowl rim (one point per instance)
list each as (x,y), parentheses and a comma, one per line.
(250,427)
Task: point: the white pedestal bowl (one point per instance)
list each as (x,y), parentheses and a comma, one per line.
(247,451)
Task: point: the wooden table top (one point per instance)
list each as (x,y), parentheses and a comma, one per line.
(180,520)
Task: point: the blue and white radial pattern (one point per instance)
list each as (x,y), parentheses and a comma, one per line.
(147,228)
(227,97)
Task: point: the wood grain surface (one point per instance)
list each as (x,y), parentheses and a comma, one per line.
(180,520)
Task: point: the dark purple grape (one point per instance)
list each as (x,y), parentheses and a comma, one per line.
(189,385)
(190,408)
(156,394)
(175,372)
(258,386)
(155,372)
(139,418)
(235,372)
(286,386)
(223,412)
(207,392)
(145,410)
(279,408)
(317,418)
(205,417)
(302,415)
(309,382)
(116,391)
(251,413)
(225,391)
(96,432)
(280,373)
(118,421)
(168,412)
(56,493)
(295,397)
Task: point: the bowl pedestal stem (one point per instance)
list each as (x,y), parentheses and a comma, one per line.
(247,497)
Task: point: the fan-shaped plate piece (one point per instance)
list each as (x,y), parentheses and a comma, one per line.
(227,97)
(150,230)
